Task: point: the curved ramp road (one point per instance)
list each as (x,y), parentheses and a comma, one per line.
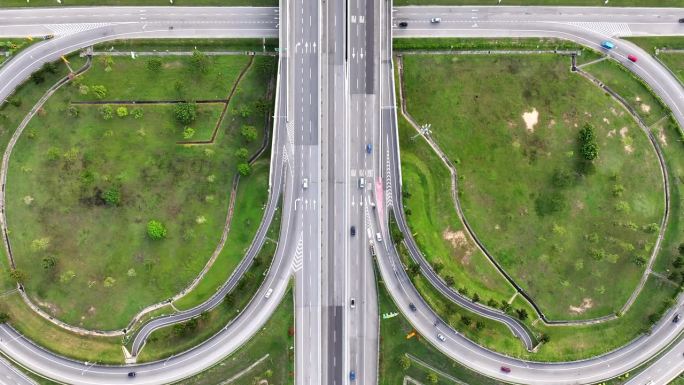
(295,154)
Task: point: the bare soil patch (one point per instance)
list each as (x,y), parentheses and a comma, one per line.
(531,118)
(587,303)
(459,241)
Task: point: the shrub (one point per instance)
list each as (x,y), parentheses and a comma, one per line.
(449,280)
(404,362)
(651,228)
(249,133)
(549,203)
(4,317)
(244,169)
(83,89)
(73,111)
(185,112)
(137,113)
(154,64)
(19,276)
(107,112)
(112,196)
(188,132)
(156,230)
(99,91)
(521,313)
(122,112)
(49,263)
(199,62)
(241,153)
(437,267)
(587,141)
(562,178)
(432,378)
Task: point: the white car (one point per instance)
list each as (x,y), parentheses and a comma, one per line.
(441,337)
(435,20)
(305,183)
(268,293)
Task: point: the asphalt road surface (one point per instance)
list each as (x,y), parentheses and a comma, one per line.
(297,151)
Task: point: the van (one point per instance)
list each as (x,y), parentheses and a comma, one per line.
(362,182)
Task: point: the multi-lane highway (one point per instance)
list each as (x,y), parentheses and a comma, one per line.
(320,135)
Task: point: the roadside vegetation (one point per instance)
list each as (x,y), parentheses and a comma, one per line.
(593,3)
(272,350)
(122,173)
(538,172)
(180,3)
(10,47)
(401,356)
(204,45)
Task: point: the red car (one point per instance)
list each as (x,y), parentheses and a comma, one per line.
(632,58)
(505,369)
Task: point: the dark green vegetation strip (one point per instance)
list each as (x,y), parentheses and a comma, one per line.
(181,3)
(394,348)
(175,339)
(10,47)
(275,339)
(162,45)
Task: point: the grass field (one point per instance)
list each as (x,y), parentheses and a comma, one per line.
(180,3)
(435,225)
(180,45)
(538,213)
(594,3)
(100,250)
(276,339)
(172,340)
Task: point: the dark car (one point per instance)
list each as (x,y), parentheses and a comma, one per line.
(131,374)
(403,24)
(353,230)
(352,375)
(369,148)
(48,37)
(505,369)
(676,318)
(681,20)
(412,306)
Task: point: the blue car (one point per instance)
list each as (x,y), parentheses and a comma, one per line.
(369,148)
(607,44)
(352,375)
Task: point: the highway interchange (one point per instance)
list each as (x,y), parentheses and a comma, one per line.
(336,95)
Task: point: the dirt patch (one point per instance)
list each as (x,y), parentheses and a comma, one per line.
(629,149)
(28,200)
(51,307)
(552,123)
(661,137)
(459,241)
(531,118)
(173,64)
(587,303)
(611,133)
(606,121)
(645,108)
(623,132)
(626,140)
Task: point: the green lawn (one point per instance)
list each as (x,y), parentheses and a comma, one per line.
(435,225)
(102,252)
(594,3)
(172,340)
(10,47)
(275,339)
(540,214)
(181,3)
(180,45)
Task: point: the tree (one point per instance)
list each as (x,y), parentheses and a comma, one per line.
(122,112)
(476,297)
(479,325)
(73,111)
(188,132)
(112,196)
(50,67)
(107,112)
(137,113)
(199,62)
(4,317)
(49,262)
(492,303)
(185,112)
(466,320)
(249,133)
(544,338)
(505,306)
(154,64)
(432,378)
(241,153)
(639,260)
(678,262)
(244,169)
(38,77)
(19,276)
(413,269)
(404,362)
(521,313)
(156,230)
(449,280)
(437,267)
(244,111)
(99,91)
(587,141)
